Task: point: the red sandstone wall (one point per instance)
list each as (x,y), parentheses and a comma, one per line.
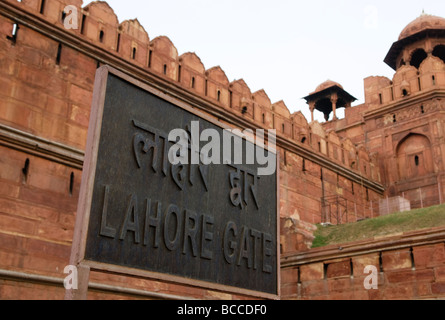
(41,92)
(415,272)
(46,91)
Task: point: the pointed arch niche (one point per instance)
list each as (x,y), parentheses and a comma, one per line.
(414,157)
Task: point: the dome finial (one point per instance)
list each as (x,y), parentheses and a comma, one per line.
(424,14)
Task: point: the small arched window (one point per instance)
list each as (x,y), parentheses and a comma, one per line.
(101,36)
(71,183)
(42,7)
(414,157)
(150,55)
(82,25)
(118,44)
(59,54)
(25,171)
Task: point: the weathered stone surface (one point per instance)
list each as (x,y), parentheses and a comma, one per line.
(312,272)
(339,269)
(397,259)
(394,138)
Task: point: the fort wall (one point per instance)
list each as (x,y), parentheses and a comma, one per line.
(46,82)
(409,266)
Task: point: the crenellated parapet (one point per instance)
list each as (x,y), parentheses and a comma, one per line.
(192,73)
(99,24)
(163,58)
(408,81)
(242,100)
(128,40)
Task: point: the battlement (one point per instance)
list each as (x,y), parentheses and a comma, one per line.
(408,81)
(128,40)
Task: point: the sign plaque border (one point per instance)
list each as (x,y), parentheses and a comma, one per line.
(78,259)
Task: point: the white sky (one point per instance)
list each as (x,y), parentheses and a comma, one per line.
(285,47)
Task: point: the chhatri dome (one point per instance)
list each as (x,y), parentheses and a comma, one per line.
(327,84)
(422,29)
(422,23)
(327,98)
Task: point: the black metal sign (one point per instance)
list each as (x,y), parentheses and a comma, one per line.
(213,223)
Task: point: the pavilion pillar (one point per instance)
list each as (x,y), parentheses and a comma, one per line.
(334,100)
(312,108)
